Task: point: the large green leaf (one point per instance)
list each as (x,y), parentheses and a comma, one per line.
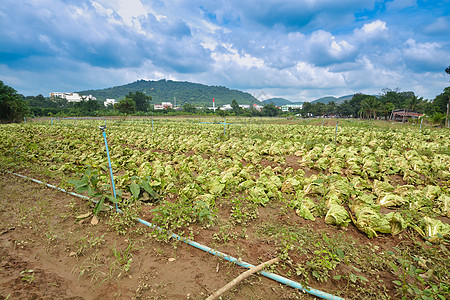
(135,189)
(337,215)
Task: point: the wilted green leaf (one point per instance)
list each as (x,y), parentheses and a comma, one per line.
(337,215)
(397,282)
(135,189)
(340,253)
(390,200)
(435,229)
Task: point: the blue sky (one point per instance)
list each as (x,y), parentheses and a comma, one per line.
(299,50)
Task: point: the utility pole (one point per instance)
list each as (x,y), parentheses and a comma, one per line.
(447,70)
(446,117)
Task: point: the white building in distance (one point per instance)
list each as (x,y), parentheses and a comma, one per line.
(243,106)
(291,106)
(109,102)
(228,106)
(162,106)
(71,97)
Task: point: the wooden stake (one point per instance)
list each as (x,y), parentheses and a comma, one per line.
(241,277)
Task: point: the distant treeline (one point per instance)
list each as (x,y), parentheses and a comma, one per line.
(369,106)
(14,106)
(360,106)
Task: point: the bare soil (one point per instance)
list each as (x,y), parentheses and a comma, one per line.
(46,252)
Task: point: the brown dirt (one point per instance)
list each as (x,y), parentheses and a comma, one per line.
(60,259)
(266,163)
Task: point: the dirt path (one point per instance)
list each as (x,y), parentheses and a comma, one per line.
(47,253)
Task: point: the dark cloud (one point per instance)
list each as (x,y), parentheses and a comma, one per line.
(299,15)
(80,33)
(286,45)
(182,56)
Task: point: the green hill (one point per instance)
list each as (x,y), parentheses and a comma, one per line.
(277,101)
(283,101)
(331,98)
(168,90)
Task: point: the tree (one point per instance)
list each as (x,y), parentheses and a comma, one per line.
(397,98)
(413,102)
(370,106)
(437,118)
(190,108)
(318,109)
(355,103)
(425,107)
(235,107)
(12,107)
(222,113)
(447,70)
(270,110)
(345,109)
(141,100)
(126,106)
(331,107)
(87,107)
(307,108)
(441,100)
(386,109)
(40,106)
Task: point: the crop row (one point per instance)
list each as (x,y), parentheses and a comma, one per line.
(349,180)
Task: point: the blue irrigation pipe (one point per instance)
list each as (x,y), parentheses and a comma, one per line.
(244,264)
(51,186)
(335,134)
(102,128)
(207,249)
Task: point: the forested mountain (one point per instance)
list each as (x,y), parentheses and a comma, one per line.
(325,100)
(168,90)
(331,98)
(277,101)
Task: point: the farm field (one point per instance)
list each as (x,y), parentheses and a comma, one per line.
(357,209)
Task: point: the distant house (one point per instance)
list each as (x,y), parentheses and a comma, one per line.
(226,107)
(243,106)
(404,115)
(286,107)
(109,102)
(71,97)
(258,107)
(332,115)
(162,106)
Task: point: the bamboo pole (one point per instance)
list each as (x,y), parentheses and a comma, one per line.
(241,277)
